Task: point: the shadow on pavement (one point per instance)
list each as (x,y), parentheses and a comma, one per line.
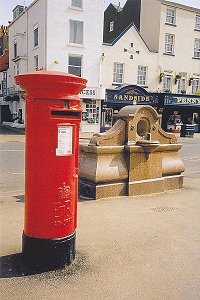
(15,266)
(7,130)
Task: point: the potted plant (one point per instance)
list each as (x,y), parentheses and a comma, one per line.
(177,77)
(190,81)
(161,77)
(183,91)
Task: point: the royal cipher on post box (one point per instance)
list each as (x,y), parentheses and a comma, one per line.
(53,116)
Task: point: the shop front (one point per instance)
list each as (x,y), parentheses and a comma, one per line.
(180,109)
(127,95)
(91,105)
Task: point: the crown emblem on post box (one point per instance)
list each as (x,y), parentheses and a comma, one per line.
(64,191)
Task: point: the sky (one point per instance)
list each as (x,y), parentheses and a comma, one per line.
(6,6)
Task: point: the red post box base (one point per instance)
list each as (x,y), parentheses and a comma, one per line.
(48,254)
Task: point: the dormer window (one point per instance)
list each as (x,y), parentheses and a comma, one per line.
(111,26)
(171,16)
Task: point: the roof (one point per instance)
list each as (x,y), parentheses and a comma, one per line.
(123,32)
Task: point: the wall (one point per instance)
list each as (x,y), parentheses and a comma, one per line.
(116,53)
(150,22)
(184,44)
(58,46)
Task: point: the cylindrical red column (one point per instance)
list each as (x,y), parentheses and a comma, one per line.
(53,116)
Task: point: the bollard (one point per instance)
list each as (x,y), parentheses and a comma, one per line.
(53,116)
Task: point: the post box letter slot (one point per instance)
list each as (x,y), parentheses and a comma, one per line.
(65,135)
(65,113)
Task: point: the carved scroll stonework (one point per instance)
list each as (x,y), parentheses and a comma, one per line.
(134,157)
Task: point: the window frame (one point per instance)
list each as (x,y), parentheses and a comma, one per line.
(111,28)
(73,36)
(197,22)
(142,75)
(36,59)
(75,66)
(182,82)
(167,86)
(92,111)
(36,36)
(15,49)
(169,45)
(195,87)
(118,73)
(73,5)
(170,16)
(197,48)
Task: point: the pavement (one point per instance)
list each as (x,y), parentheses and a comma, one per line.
(145,247)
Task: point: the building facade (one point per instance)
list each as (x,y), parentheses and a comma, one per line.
(4,65)
(159,52)
(59,36)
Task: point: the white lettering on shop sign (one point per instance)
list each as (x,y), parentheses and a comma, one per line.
(65,134)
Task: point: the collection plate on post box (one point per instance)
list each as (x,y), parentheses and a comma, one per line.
(65,134)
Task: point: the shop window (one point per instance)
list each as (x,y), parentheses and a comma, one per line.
(167,83)
(197,23)
(35,35)
(118,73)
(77,3)
(76,32)
(92,112)
(75,65)
(195,85)
(171,16)
(142,75)
(169,43)
(197,48)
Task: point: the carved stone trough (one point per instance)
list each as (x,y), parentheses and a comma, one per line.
(135,157)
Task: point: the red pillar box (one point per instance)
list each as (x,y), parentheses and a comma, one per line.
(53,116)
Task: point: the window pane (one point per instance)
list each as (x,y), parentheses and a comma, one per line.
(77,3)
(36,37)
(15,49)
(92,110)
(197,48)
(111,26)
(167,83)
(76,32)
(142,75)
(75,65)
(75,60)
(195,85)
(36,62)
(169,43)
(197,24)
(181,85)
(118,73)
(170,16)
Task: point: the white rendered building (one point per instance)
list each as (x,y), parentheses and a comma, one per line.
(59,35)
(158,50)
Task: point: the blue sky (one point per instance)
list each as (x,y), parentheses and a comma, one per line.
(6,6)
